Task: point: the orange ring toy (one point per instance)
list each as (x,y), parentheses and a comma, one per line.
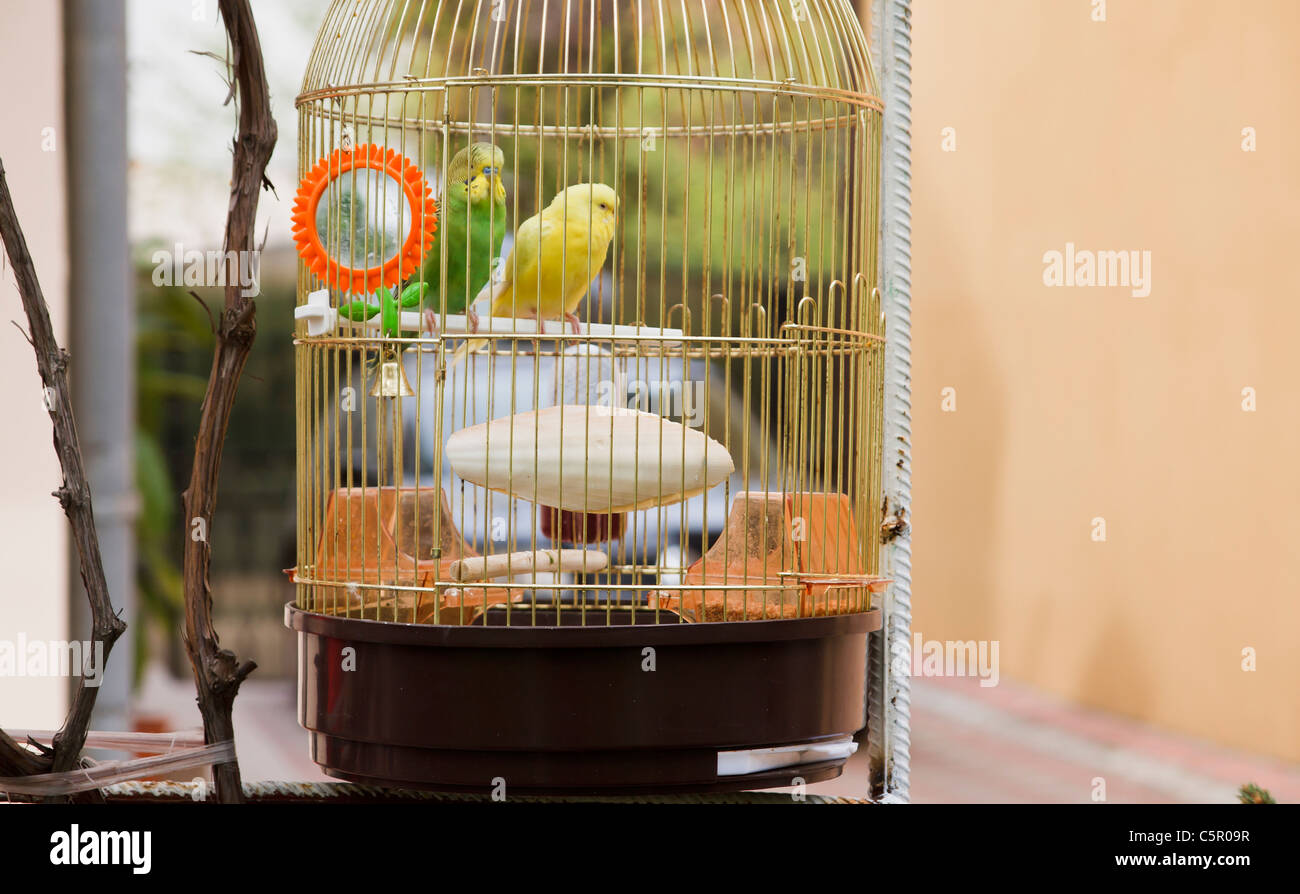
(418,241)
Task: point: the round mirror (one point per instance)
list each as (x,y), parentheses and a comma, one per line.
(364,218)
(361,217)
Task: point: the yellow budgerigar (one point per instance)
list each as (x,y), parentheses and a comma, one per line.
(555,256)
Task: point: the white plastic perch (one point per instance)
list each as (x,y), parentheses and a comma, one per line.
(528,562)
(322,319)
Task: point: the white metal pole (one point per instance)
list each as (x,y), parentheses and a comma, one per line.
(102,318)
(890,692)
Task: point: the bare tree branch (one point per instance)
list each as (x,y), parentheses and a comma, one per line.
(212,323)
(217,672)
(74,495)
(27,338)
(16,760)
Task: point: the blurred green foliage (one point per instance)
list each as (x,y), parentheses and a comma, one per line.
(170,329)
(174,342)
(1250,793)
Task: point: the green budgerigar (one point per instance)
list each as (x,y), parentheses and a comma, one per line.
(472,219)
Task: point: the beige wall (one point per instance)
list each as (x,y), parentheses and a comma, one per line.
(33,534)
(1074,403)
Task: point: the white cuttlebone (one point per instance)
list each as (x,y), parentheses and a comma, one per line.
(589,459)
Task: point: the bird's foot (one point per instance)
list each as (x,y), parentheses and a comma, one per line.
(575,323)
(471,316)
(431,321)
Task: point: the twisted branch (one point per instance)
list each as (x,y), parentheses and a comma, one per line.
(73,495)
(217,672)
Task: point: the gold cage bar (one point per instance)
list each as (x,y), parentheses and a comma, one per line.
(743,142)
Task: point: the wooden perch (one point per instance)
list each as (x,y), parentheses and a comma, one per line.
(217,672)
(74,495)
(587,561)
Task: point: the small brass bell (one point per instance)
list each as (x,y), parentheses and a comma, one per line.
(391,378)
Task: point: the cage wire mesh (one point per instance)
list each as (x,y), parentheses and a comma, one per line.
(658,221)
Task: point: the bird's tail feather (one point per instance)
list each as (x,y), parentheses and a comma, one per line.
(491,290)
(469,347)
(496,291)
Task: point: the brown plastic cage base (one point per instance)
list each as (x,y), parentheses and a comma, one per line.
(573,710)
(618,782)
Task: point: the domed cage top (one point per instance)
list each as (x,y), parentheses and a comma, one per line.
(587,328)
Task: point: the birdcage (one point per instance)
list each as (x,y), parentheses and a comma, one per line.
(589,388)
